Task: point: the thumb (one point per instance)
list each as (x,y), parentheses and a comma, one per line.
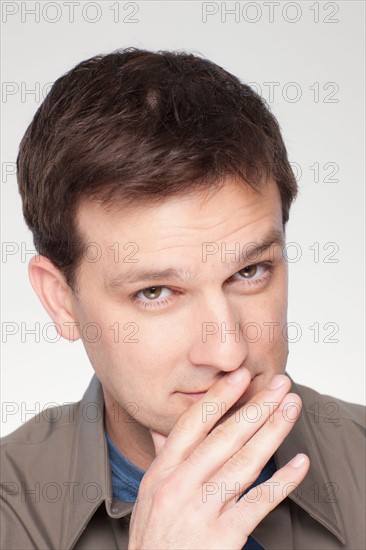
(158,440)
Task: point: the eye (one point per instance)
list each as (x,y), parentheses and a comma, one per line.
(152,292)
(248,277)
(255,274)
(148,297)
(249,271)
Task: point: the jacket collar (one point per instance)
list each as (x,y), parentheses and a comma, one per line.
(90,469)
(303,438)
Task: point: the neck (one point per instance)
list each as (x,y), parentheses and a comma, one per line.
(130,437)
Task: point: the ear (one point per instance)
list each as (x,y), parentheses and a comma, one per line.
(55,294)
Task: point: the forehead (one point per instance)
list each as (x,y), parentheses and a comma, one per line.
(199,212)
(179,225)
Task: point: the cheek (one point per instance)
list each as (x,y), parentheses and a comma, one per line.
(139,357)
(123,344)
(264,318)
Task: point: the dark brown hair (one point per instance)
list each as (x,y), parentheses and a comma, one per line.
(135,127)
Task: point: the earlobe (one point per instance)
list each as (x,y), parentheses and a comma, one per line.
(55,295)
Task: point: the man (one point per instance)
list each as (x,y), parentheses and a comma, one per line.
(157,187)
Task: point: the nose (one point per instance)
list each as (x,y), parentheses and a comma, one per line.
(218,339)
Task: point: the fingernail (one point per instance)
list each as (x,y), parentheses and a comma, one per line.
(236,376)
(298,460)
(277,381)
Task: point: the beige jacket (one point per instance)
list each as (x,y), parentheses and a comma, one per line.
(56,480)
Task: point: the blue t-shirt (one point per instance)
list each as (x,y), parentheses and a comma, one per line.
(126,479)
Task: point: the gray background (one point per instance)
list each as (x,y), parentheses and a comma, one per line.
(313,52)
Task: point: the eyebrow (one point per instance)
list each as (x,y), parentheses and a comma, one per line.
(181,274)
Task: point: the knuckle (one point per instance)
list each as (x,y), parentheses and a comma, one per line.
(146,485)
(220,436)
(243,515)
(195,458)
(239,463)
(183,426)
(162,496)
(249,460)
(246,463)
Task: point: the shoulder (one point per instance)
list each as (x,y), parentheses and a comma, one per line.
(46,466)
(35,461)
(46,436)
(336,429)
(328,409)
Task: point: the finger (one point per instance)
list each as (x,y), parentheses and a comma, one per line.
(229,437)
(191,428)
(244,467)
(158,440)
(250,510)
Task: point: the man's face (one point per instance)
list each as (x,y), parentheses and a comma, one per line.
(180,336)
